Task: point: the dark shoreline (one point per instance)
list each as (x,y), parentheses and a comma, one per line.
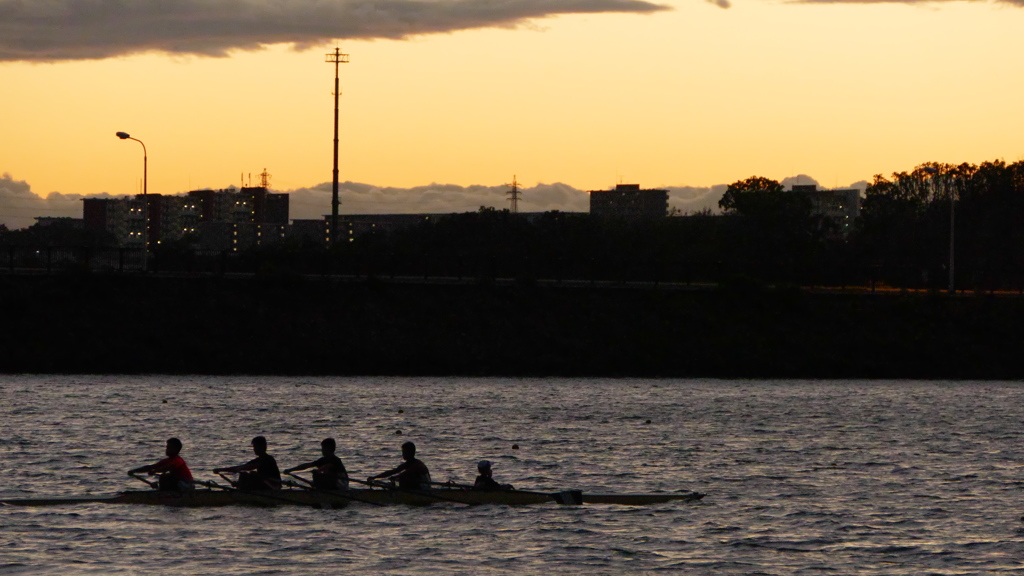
(104,324)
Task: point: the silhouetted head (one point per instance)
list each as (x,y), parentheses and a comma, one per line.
(484,467)
(259,445)
(328,446)
(173,447)
(408,451)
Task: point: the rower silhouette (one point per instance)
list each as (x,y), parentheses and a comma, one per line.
(260,473)
(411,474)
(330,473)
(485,481)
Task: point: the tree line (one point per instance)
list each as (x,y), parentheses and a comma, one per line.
(765,234)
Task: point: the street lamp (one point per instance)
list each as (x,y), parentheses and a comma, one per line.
(952,215)
(145,202)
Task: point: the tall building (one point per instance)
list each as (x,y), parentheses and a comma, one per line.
(628,201)
(238,219)
(121,217)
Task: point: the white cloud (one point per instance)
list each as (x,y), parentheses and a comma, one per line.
(690,200)
(358,198)
(19,206)
(55,30)
(314,203)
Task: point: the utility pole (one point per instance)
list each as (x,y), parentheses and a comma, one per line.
(513,195)
(336,58)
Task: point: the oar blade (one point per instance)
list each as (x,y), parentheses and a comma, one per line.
(568,497)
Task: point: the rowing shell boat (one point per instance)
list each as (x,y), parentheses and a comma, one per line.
(319,499)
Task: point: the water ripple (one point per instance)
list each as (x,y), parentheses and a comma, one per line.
(803,477)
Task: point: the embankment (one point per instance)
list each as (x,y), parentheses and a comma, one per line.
(124,325)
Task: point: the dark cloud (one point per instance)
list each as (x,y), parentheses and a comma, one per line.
(55,30)
(20,206)
(1014,2)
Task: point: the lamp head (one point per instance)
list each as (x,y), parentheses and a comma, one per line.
(123,135)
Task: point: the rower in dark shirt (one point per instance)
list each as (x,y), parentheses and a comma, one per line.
(174,473)
(485,482)
(411,474)
(330,473)
(260,473)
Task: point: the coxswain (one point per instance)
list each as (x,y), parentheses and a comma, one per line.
(174,473)
(411,474)
(485,482)
(260,473)
(330,473)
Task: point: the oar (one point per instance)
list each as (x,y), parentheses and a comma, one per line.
(211,484)
(450,484)
(305,481)
(420,493)
(153,485)
(375,484)
(341,493)
(565,497)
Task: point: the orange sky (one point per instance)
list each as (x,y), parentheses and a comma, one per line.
(695,96)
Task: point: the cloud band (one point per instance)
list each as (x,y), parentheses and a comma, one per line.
(56,30)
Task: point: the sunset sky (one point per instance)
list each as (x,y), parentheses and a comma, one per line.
(444,101)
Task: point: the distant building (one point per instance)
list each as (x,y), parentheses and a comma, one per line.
(61,221)
(628,201)
(351,226)
(841,206)
(311,231)
(238,219)
(121,217)
(228,219)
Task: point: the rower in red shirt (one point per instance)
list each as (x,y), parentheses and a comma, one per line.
(173,471)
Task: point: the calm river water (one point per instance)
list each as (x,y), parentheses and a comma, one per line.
(823,477)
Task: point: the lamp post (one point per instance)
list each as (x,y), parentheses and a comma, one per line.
(952,219)
(145,201)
